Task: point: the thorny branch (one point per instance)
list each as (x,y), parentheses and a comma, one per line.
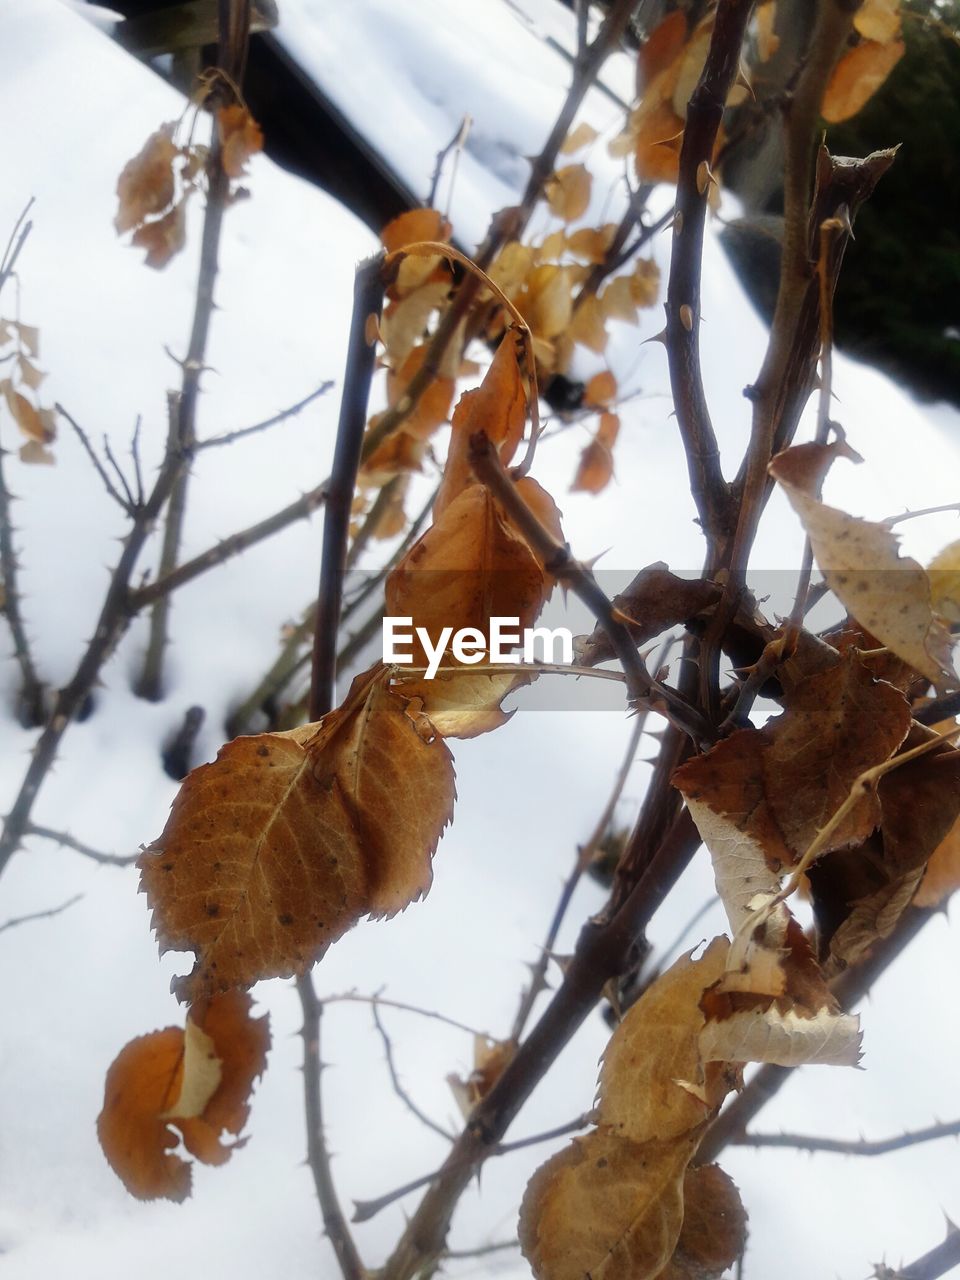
(704,113)
(30,709)
(850,1146)
(937,1262)
(182,408)
(361,357)
(115,611)
(395,1080)
(39,915)
(67,841)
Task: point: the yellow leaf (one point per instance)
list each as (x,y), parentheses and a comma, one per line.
(605,1208)
(547,305)
(588,326)
(878,20)
(768,42)
(888,594)
(618,301)
(600,390)
(568,192)
(404,322)
(578,138)
(942,876)
(944,574)
(654,1053)
(857,77)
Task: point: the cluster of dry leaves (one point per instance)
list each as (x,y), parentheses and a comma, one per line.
(154,187)
(282,844)
(20,344)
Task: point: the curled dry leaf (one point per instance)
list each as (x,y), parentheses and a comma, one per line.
(409,228)
(611,1205)
(888,594)
(772,1003)
(601,390)
(196,1080)
(468,703)
(605,1207)
(164,237)
(651,1080)
(146,184)
(857,77)
(286,840)
(490,1059)
(498,407)
(714,1231)
(240,138)
(655,600)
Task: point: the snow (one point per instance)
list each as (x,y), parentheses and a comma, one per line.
(81,985)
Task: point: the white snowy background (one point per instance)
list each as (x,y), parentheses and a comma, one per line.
(77,987)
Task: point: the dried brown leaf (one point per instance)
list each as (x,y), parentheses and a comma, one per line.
(286,840)
(857,77)
(240,138)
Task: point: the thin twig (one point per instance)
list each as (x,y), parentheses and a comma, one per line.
(228,437)
(352,997)
(850,1146)
(456,142)
(922,511)
(70,842)
(585,855)
(39,915)
(228,548)
(182,408)
(398,1088)
(98,466)
(482,1250)
(364,1210)
(18,237)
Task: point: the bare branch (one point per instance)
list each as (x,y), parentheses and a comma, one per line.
(68,841)
(228,548)
(228,437)
(364,1210)
(585,855)
(942,708)
(483,1250)
(353,997)
(398,1088)
(234,33)
(39,915)
(850,1146)
(18,237)
(318,1156)
(114,493)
